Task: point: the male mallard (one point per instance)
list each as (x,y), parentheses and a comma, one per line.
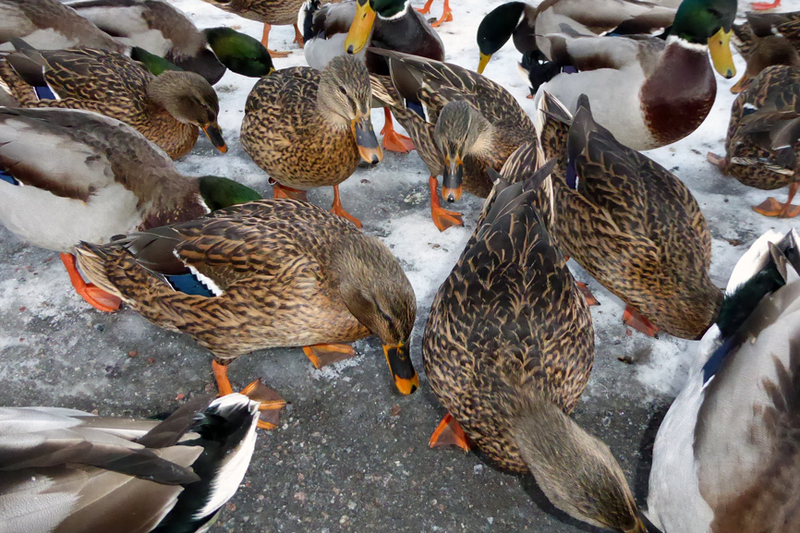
(763,138)
(50,25)
(270,12)
(331,30)
(68,176)
(648,92)
(518,19)
(726,455)
(155,26)
(68,470)
(631,224)
(239,52)
(167,109)
(264,274)
(309,129)
(475,125)
(508,349)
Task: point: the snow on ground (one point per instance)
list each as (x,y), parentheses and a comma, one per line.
(58,351)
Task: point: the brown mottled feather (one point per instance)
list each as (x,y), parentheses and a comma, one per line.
(280,264)
(508,316)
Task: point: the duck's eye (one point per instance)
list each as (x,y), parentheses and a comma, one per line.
(343,91)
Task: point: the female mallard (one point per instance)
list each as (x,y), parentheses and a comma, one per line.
(50,25)
(167,109)
(475,125)
(518,19)
(759,25)
(309,129)
(648,92)
(331,30)
(726,457)
(68,176)
(763,140)
(68,470)
(260,275)
(270,12)
(631,224)
(508,349)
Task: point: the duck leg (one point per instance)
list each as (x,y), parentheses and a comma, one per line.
(773,208)
(325,354)
(270,401)
(298,36)
(337,208)
(265,42)
(426,8)
(393,141)
(633,318)
(441,217)
(447,15)
(282,191)
(449,432)
(763,6)
(94,296)
(587,294)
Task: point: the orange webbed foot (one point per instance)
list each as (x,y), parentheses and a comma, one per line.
(773,208)
(325,354)
(633,318)
(94,296)
(442,218)
(396,142)
(447,16)
(282,191)
(270,402)
(447,433)
(587,294)
(763,6)
(337,208)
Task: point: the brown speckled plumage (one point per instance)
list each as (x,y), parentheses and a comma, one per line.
(763,116)
(284,267)
(633,226)
(446,83)
(760,25)
(298,133)
(509,317)
(275,12)
(118,87)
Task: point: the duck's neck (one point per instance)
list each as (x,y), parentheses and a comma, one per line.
(575,470)
(679,92)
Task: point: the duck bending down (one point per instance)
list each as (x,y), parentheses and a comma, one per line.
(264,274)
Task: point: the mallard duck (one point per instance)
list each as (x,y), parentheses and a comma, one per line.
(508,348)
(155,26)
(68,176)
(447,14)
(68,470)
(331,30)
(763,138)
(239,52)
(265,274)
(648,92)
(767,51)
(167,109)
(475,124)
(518,19)
(309,129)
(50,25)
(270,12)
(760,25)
(726,455)
(631,224)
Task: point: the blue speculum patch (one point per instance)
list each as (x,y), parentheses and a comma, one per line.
(189,284)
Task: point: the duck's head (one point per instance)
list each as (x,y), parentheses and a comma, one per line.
(191,100)
(378,293)
(769,51)
(366,11)
(461,130)
(240,53)
(575,470)
(344,97)
(496,29)
(218,193)
(708,22)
